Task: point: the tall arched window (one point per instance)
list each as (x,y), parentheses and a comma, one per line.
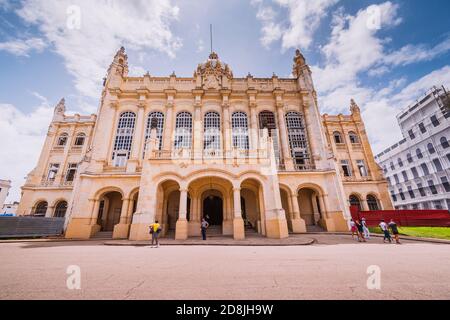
(354,201)
(239,124)
(159,122)
(431,149)
(183,131)
(124,138)
(444,143)
(338,137)
(79,140)
(297,138)
(60,210)
(354,139)
(267,120)
(41,209)
(372,203)
(62,140)
(211,126)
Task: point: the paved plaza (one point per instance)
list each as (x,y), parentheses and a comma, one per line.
(335,267)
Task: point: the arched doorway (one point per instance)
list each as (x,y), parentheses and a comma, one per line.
(109,211)
(60,209)
(213,209)
(309,204)
(251,195)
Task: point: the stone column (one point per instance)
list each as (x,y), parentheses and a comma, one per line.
(138,133)
(298,224)
(181,232)
(49,212)
(253,127)
(95,207)
(198,133)
(121,230)
(227,146)
(168,128)
(285,149)
(238,222)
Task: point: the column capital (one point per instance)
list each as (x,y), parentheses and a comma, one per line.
(126,199)
(184,190)
(141,105)
(114,105)
(236,189)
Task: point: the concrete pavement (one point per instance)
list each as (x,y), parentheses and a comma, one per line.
(334,268)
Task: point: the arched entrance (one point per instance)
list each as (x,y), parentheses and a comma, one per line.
(213,208)
(310,208)
(251,204)
(109,211)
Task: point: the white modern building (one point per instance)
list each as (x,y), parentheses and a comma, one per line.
(5,185)
(417,167)
(9,208)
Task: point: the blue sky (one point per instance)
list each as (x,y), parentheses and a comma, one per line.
(382,53)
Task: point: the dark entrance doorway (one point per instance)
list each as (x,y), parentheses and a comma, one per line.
(213,210)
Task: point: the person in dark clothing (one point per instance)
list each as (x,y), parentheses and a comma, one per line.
(394,229)
(360,228)
(204,226)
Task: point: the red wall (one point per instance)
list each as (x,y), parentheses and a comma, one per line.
(411,218)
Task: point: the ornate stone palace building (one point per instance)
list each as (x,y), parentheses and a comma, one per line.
(249,154)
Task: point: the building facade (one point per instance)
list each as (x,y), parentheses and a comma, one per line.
(5,185)
(245,153)
(417,167)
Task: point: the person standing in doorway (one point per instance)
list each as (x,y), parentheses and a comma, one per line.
(365,229)
(204,226)
(384,227)
(155,230)
(394,229)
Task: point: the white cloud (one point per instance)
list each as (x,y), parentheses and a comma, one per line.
(23,135)
(23,47)
(104,26)
(304,17)
(200,46)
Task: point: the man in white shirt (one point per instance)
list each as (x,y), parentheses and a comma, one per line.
(384,227)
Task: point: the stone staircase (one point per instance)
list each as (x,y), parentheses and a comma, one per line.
(103,235)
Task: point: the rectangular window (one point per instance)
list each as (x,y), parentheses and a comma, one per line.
(426,205)
(388,181)
(402,195)
(421,190)
(52,171)
(425,170)
(362,168)
(422,128)
(414,172)
(437,205)
(445,184)
(405,176)
(346,168)
(434,121)
(397,180)
(411,193)
(411,134)
(393,196)
(415,206)
(71,172)
(432,187)
(438,165)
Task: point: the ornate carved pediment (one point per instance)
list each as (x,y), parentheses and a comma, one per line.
(213,72)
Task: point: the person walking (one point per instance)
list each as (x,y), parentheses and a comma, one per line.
(394,228)
(155,230)
(365,229)
(204,226)
(353,229)
(384,227)
(360,228)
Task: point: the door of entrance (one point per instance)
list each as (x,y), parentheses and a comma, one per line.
(213,210)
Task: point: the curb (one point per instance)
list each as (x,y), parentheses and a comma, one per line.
(225,244)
